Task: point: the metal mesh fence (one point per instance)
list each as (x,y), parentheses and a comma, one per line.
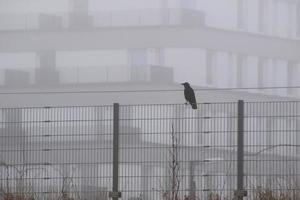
(177,151)
(271,148)
(56,153)
(165,151)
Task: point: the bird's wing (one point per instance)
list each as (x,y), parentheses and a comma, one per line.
(190,95)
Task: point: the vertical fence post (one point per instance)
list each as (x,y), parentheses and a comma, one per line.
(240,193)
(115,194)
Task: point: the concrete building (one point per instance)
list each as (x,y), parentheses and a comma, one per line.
(233,43)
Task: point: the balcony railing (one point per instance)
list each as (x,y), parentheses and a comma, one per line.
(85,74)
(67,20)
(120,18)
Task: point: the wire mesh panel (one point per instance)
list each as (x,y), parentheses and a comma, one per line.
(56,153)
(271,150)
(175,152)
(168,152)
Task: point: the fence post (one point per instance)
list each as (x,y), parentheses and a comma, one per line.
(115,194)
(240,193)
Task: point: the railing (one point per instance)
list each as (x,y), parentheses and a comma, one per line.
(165,151)
(82,74)
(125,18)
(61,20)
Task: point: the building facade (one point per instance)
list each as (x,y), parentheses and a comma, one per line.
(246,60)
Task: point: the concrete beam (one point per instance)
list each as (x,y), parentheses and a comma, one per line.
(151,37)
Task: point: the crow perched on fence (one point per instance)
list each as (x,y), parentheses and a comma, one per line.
(189,95)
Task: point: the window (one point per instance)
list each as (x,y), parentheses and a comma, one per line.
(291,76)
(298,20)
(260,73)
(242,14)
(280,71)
(275,17)
(241,61)
(209,67)
(2,119)
(188,4)
(138,57)
(262,16)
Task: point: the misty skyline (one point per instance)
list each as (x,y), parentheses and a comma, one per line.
(206,65)
(91,101)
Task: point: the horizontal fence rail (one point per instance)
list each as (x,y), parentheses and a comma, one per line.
(151,152)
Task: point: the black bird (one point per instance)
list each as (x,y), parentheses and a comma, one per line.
(189,95)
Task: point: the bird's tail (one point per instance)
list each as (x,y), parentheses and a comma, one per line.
(194,105)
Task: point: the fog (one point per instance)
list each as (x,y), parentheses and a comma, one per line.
(63,63)
(241,44)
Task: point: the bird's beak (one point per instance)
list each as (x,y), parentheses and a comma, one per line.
(182,83)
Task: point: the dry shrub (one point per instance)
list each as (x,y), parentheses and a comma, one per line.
(268,194)
(214,196)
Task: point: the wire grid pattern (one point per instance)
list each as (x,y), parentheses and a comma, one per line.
(56,153)
(271,145)
(164,150)
(198,162)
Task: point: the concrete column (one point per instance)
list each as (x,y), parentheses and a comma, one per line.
(275,68)
(260,72)
(292,77)
(275,17)
(262,15)
(174,3)
(136,59)
(188,4)
(143,57)
(79,17)
(165,12)
(140,60)
(298,19)
(155,56)
(241,61)
(46,73)
(242,14)
(210,67)
(290,21)
(232,69)
(79,6)
(46,59)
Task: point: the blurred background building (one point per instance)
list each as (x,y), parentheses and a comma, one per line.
(90,52)
(219,44)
